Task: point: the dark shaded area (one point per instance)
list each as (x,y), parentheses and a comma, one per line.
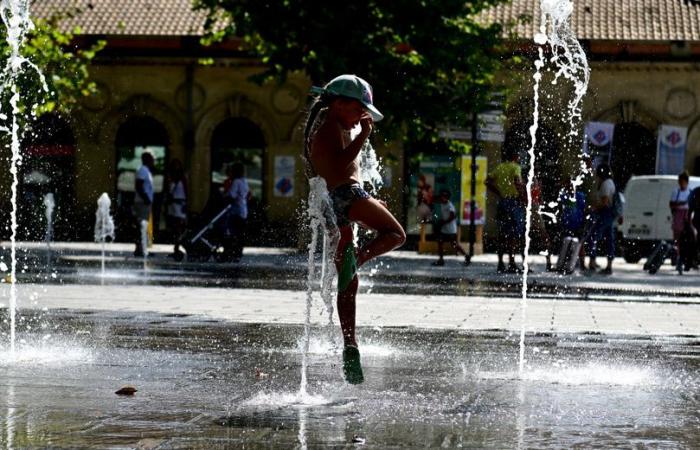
(634,152)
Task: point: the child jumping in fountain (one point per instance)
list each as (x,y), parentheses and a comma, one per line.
(332,154)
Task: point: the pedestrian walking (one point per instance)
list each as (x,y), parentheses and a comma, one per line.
(446,228)
(143,199)
(538,231)
(238,196)
(683,232)
(603,220)
(506,182)
(694,212)
(176,205)
(572,217)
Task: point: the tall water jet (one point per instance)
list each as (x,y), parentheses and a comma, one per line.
(322,219)
(15,16)
(144,240)
(49,206)
(104,226)
(570,62)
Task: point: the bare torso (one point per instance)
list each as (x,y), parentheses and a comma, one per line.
(326,154)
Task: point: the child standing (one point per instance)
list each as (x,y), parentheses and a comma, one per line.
(332,154)
(446,228)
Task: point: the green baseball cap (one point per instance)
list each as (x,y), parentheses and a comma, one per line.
(351,86)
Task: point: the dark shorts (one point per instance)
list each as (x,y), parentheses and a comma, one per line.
(511,218)
(343,197)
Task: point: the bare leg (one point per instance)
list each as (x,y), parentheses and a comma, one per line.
(346,312)
(458,248)
(372,214)
(346,298)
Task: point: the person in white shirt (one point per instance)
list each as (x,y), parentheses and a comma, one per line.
(683,234)
(143,198)
(446,228)
(238,195)
(176,203)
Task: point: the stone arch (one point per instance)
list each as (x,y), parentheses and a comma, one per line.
(296,134)
(238,105)
(629,111)
(141,105)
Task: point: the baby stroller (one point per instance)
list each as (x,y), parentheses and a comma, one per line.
(209,240)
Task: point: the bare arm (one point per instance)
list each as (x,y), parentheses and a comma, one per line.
(349,154)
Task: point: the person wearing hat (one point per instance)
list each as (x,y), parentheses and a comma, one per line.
(331,153)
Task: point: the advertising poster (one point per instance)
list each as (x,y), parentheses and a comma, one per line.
(284,176)
(480,198)
(670,150)
(434,174)
(598,142)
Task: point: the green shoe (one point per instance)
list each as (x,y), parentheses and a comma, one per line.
(351,365)
(348,269)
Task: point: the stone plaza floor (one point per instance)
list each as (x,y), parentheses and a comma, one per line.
(543,315)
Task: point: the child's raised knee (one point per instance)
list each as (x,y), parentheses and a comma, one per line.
(400,237)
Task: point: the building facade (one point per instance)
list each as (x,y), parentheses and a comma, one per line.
(155,95)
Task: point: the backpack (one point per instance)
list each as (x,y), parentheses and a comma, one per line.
(618,204)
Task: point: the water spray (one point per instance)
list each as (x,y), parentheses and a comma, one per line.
(104,226)
(15,16)
(49,206)
(570,61)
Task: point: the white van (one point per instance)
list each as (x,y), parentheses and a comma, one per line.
(647,216)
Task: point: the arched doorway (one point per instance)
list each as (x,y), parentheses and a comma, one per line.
(238,140)
(48,167)
(633,153)
(135,136)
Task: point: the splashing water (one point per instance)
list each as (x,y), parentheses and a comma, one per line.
(104,226)
(322,218)
(370,168)
(15,16)
(570,61)
(49,206)
(320,211)
(528,212)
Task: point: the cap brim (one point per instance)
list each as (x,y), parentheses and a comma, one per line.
(374,112)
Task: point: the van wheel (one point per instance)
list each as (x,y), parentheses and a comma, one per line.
(632,253)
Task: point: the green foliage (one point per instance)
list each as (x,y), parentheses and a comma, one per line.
(431,62)
(64,66)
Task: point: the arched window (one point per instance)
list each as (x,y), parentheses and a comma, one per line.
(48,167)
(135,136)
(238,140)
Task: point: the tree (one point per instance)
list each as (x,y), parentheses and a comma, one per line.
(431,62)
(63,64)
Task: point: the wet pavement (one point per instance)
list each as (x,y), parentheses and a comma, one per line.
(204,383)
(397,272)
(214,352)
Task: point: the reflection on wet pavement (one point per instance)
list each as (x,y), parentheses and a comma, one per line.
(213,384)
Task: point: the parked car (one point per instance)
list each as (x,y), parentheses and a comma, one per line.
(647,216)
